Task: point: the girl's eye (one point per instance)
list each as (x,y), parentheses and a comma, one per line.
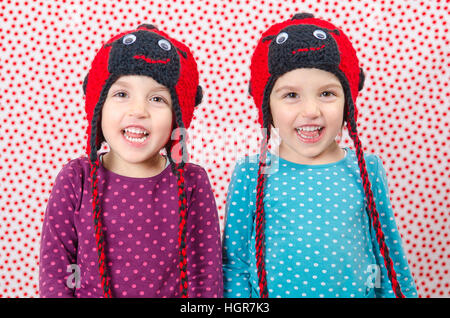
(291,95)
(120,94)
(328,94)
(158,99)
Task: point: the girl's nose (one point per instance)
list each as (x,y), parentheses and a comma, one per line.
(138,109)
(310,109)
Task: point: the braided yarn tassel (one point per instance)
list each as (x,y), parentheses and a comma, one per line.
(371,205)
(260,218)
(182,233)
(260,237)
(95,164)
(99,237)
(178,171)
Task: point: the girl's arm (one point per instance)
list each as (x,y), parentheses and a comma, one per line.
(238,227)
(204,259)
(392,236)
(58,274)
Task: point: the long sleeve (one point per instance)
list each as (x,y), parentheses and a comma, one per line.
(203,240)
(59,239)
(237,236)
(392,238)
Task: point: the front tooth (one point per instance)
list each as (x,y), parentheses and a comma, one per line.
(135,130)
(136,139)
(310,128)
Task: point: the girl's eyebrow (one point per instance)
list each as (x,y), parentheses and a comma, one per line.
(293,88)
(330,85)
(160,88)
(285,87)
(126,85)
(121,83)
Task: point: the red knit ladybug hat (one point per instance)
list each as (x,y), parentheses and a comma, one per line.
(144,51)
(303,42)
(308,42)
(150,52)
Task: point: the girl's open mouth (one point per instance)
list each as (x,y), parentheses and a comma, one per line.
(135,137)
(310,134)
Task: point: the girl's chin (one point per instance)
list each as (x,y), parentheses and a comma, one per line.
(308,153)
(135,156)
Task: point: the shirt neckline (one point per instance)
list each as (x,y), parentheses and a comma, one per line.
(164,172)
(291,164)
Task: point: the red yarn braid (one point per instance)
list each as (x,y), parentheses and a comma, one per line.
(99,237)
(182,233)
(260,237)
(374,216)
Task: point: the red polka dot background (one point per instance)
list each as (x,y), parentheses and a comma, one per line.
(46,48)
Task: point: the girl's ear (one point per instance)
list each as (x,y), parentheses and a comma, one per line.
(338,138)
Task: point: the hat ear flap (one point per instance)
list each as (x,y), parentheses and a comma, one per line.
(362,77)
(268,38)
(335,31)
(85,83)
(182,53)
(198,95)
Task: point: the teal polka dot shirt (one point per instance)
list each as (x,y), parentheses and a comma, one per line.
(319,240)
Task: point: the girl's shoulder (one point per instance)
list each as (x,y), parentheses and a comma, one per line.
(374,164)
(194,173)
(70,179)
(246,168)
(249,162)
(75,170)
(193,168)
(372,160)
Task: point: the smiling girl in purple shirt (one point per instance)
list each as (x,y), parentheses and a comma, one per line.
(133,222)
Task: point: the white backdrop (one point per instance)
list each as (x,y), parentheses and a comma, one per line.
(46,48)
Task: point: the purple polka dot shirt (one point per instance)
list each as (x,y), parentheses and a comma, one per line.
(140,218)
